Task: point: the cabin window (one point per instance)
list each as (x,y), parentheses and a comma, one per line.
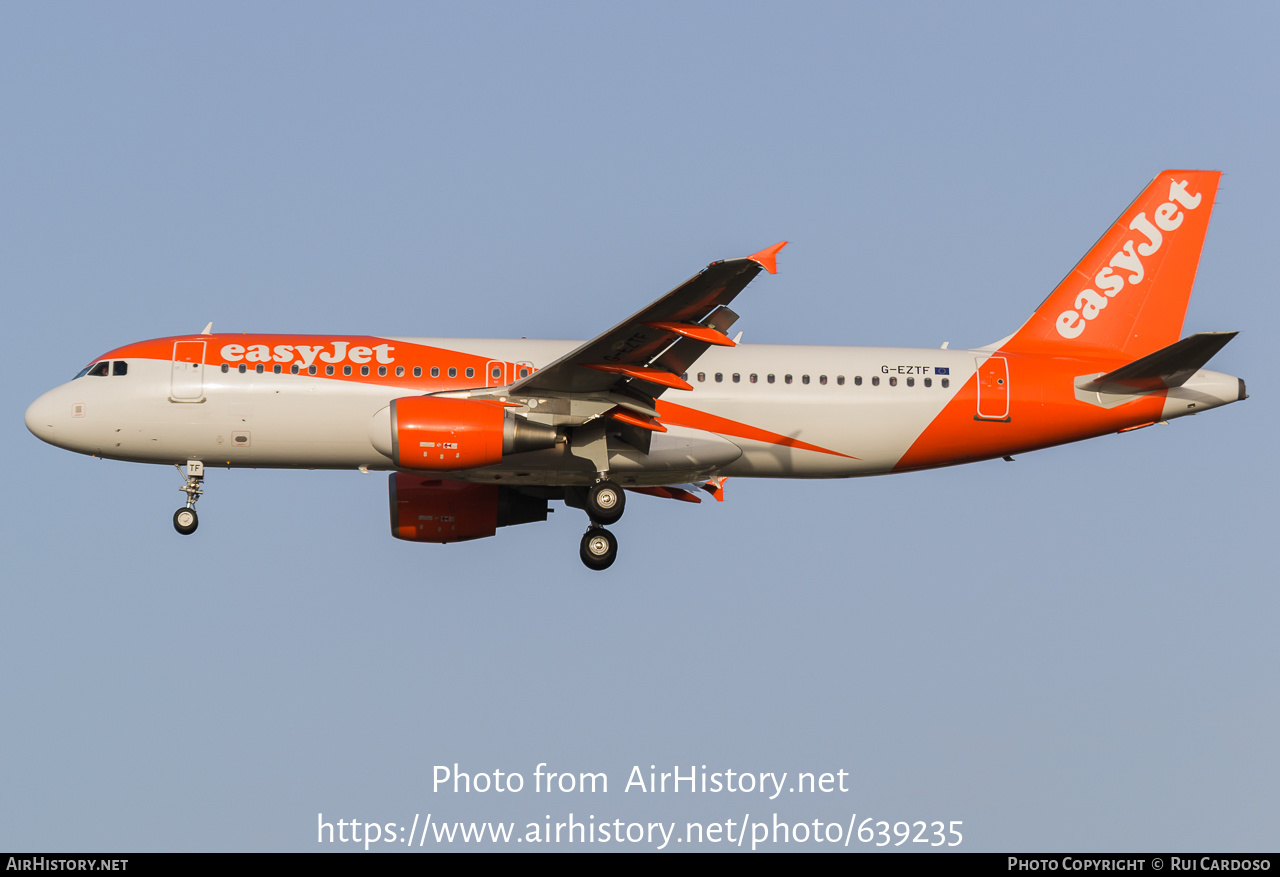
(928,382)
(804,379)
(524,373)
(277,369)
(753,378)
(311,369)
(399,371)
(946,382)
(471,373)
(911,382)
(893,381)
(225,368)
(840,380)
(453,372)
(417,371)
(822,379)
(495,373)
(719,377)
(736,377)
(770,379)
(328,369)
(294,369)
(364,371)
(787,379)
(259,368)
(875,380)
(702,376)
(242,368)
(382,371)
(346,370)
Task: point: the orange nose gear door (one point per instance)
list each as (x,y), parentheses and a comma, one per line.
(993,389)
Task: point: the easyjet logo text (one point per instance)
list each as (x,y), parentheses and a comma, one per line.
(306,354)
(1125,267)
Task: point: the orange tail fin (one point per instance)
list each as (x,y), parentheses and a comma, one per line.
(1129,294)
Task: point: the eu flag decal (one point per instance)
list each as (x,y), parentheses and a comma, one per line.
(941,371)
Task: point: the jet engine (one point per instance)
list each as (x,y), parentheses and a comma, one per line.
(431,510)
(431,432)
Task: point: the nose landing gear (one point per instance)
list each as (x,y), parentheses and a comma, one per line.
(185,519)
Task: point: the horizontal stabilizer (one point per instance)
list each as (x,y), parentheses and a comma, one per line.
(1166,368)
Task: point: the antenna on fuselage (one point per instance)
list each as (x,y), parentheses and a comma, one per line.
(207,330)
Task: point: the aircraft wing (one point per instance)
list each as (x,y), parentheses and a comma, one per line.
(654,346)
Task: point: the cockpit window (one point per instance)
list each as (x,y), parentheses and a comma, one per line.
(119,367)
(100,370)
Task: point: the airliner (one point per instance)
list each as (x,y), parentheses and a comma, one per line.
(479,434)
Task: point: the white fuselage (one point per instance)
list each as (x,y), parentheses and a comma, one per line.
(843,411)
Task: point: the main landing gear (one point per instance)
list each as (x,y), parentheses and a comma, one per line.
(185,519)
(599,548)
(605,503)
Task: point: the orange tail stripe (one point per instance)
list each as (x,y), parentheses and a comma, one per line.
(679,415)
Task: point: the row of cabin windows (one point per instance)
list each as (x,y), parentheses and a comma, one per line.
(822,379)
(296,369)
(120,367)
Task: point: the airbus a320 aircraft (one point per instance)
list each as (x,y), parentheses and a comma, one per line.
(481,434)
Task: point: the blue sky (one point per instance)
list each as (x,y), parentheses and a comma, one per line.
(1074,651)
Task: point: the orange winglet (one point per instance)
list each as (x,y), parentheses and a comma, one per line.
(768,258)
(715,487)
(696,332)
(659,376)
(623,416)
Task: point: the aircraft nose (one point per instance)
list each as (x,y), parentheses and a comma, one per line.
(41,417)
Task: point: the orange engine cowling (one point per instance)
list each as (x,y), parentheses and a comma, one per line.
(430,432)
(431,510)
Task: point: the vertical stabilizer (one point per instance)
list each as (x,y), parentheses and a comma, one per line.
(1127,297)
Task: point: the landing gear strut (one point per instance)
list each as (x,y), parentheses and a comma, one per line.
(185,519)
(599,548)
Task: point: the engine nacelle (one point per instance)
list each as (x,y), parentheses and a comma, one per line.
(431,510)
(431,432)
